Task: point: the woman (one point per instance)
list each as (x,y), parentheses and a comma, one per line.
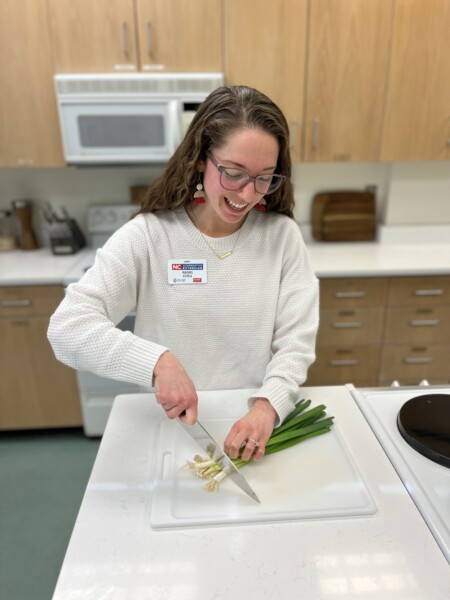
(215,267)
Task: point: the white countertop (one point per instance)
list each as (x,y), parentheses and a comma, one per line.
(35,267)
(115,554)
(374,259)
(398,251)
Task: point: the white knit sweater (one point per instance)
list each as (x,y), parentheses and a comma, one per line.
(251,325)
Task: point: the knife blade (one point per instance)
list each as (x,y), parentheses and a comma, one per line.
(208,444)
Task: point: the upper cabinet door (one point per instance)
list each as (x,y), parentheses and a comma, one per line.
(417,124)
(180,35)
(29,130)
(265,47)
(93,36)
(348,55)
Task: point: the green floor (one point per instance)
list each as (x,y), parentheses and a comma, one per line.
(43,476)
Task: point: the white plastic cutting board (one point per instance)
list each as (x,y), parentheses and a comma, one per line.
(315,479)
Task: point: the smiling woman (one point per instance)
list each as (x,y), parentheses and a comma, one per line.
(246,317)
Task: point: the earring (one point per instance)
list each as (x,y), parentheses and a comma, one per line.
(261,205)
(199,196)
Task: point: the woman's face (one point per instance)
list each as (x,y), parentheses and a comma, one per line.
(252,150)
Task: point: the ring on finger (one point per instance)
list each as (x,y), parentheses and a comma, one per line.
(254,442)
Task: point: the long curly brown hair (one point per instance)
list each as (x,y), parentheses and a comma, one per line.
(224,111)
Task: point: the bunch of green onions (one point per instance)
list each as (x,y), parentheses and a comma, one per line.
(299,425)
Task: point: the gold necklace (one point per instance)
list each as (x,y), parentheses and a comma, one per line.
(225,254)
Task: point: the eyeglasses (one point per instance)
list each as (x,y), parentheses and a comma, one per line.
(237,179)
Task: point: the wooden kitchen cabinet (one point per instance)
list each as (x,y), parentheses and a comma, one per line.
(29,130)
(417,121)
(349,339)
(348,55)
(36,391)
(131,35)
(265,48)
(175,35)
(374,331)
(417,331)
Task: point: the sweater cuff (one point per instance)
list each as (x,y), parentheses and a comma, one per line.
(139,362)
(280,397)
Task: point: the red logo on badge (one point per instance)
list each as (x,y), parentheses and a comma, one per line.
(197,280)
(177,267)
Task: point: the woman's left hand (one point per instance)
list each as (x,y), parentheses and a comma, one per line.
(250,434)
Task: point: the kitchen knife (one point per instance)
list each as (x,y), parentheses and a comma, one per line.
(199,434)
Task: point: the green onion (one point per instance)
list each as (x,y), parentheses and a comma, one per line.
(298,426)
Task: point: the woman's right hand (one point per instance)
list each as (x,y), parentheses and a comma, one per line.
(174,389)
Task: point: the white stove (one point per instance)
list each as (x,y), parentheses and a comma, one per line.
(97,393)
(427,481)
(103,220)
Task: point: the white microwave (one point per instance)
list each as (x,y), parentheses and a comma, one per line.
(127,118)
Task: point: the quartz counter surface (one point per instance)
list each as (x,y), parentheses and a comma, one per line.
(35,267)
(398,251)
(114,553)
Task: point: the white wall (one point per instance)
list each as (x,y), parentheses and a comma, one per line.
(407,193)
(420,193)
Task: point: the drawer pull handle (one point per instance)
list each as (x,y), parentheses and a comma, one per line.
(349,294)
(425,360)
(124,36)
(428,292)
(424,322)
(14,303)
(349,325)
(148,37)
(344,362)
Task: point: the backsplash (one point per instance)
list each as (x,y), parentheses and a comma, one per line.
(407,193)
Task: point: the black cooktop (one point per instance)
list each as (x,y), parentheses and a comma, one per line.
(424,422)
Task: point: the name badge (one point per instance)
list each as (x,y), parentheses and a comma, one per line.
(186,271)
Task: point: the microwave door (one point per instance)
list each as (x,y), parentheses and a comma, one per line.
(120,132)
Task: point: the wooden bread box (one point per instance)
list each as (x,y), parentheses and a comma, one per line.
(344,216)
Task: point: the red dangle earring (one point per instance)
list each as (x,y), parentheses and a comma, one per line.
(261,205)
(199,196)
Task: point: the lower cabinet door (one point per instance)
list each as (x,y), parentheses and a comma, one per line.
(36,391)
(337,365)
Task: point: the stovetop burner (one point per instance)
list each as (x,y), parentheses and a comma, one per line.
(424,422)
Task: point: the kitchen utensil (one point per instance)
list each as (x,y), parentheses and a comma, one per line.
(317,479)
(7,231)
(212,448)
(344,216)
(23,211)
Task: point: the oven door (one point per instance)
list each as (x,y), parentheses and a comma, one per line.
(112,130)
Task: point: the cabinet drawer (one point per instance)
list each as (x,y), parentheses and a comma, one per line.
(419,291)
(352,293)
(340,364)
(349,326)
(421,324)
(414,362)
(30,300)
